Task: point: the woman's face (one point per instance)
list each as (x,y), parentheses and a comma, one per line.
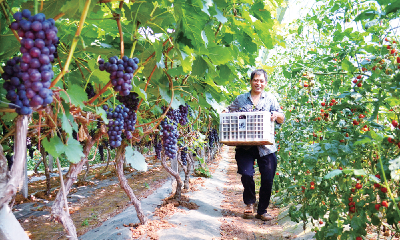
(258,84)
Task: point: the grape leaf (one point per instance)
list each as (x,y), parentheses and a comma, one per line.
(100,111)
(55,146)
(96,74)
(219,54)
(8,46)
(260,12)
(199,66)
(210,100)
(135,159)
(142,94)
(164,94)
(65,124)
(9,117)
(73,150)
(156,110)
(77,95)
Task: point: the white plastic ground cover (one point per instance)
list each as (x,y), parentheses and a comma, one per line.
(246,128)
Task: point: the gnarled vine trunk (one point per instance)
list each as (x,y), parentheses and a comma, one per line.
(46,171)
(188,169)
(74,169)
(179,183)
(10,228)
(124,183)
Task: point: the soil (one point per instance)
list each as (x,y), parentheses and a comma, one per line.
(108,201)
(88,212)
(234,226)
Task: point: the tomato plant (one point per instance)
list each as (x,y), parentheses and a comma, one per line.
(341,131)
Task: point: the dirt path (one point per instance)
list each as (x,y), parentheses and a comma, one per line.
(219,212)
(233,223)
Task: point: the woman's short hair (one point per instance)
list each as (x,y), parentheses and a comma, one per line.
(259,72)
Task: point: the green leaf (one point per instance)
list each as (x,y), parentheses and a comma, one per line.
(199,67)
(363,141)
(9,117)
(376,136)
(259,11)
(375,220)
(142,94)
(219,55)
(367,14)
(73,150)
(164,94)
(348,66)
(300,29)
(65,124)
(348,171)
(333,173)
(374,179)
(55,146)
(135,159)
(393,7)
(77,95)
(211,100)
(8,46)
(100,111)
(156,110)
(97,75)
(359,172)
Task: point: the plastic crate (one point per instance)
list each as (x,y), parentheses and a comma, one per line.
(246,128)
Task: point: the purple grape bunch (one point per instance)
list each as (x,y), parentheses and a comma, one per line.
(212,137)
(157,148)
(184,156)
(121,118)
(129,123)
(169,132)
(38,45)
(116,124)
(179,115)
(101,152)
(131,100)
(16,93)
(90,91)
(121,72)
(183,114)
(172,114)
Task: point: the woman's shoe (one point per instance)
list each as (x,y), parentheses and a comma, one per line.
(264,217)
(248,211)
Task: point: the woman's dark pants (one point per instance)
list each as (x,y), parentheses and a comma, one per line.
(267,167)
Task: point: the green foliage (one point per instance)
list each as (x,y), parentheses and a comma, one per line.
(329,155)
